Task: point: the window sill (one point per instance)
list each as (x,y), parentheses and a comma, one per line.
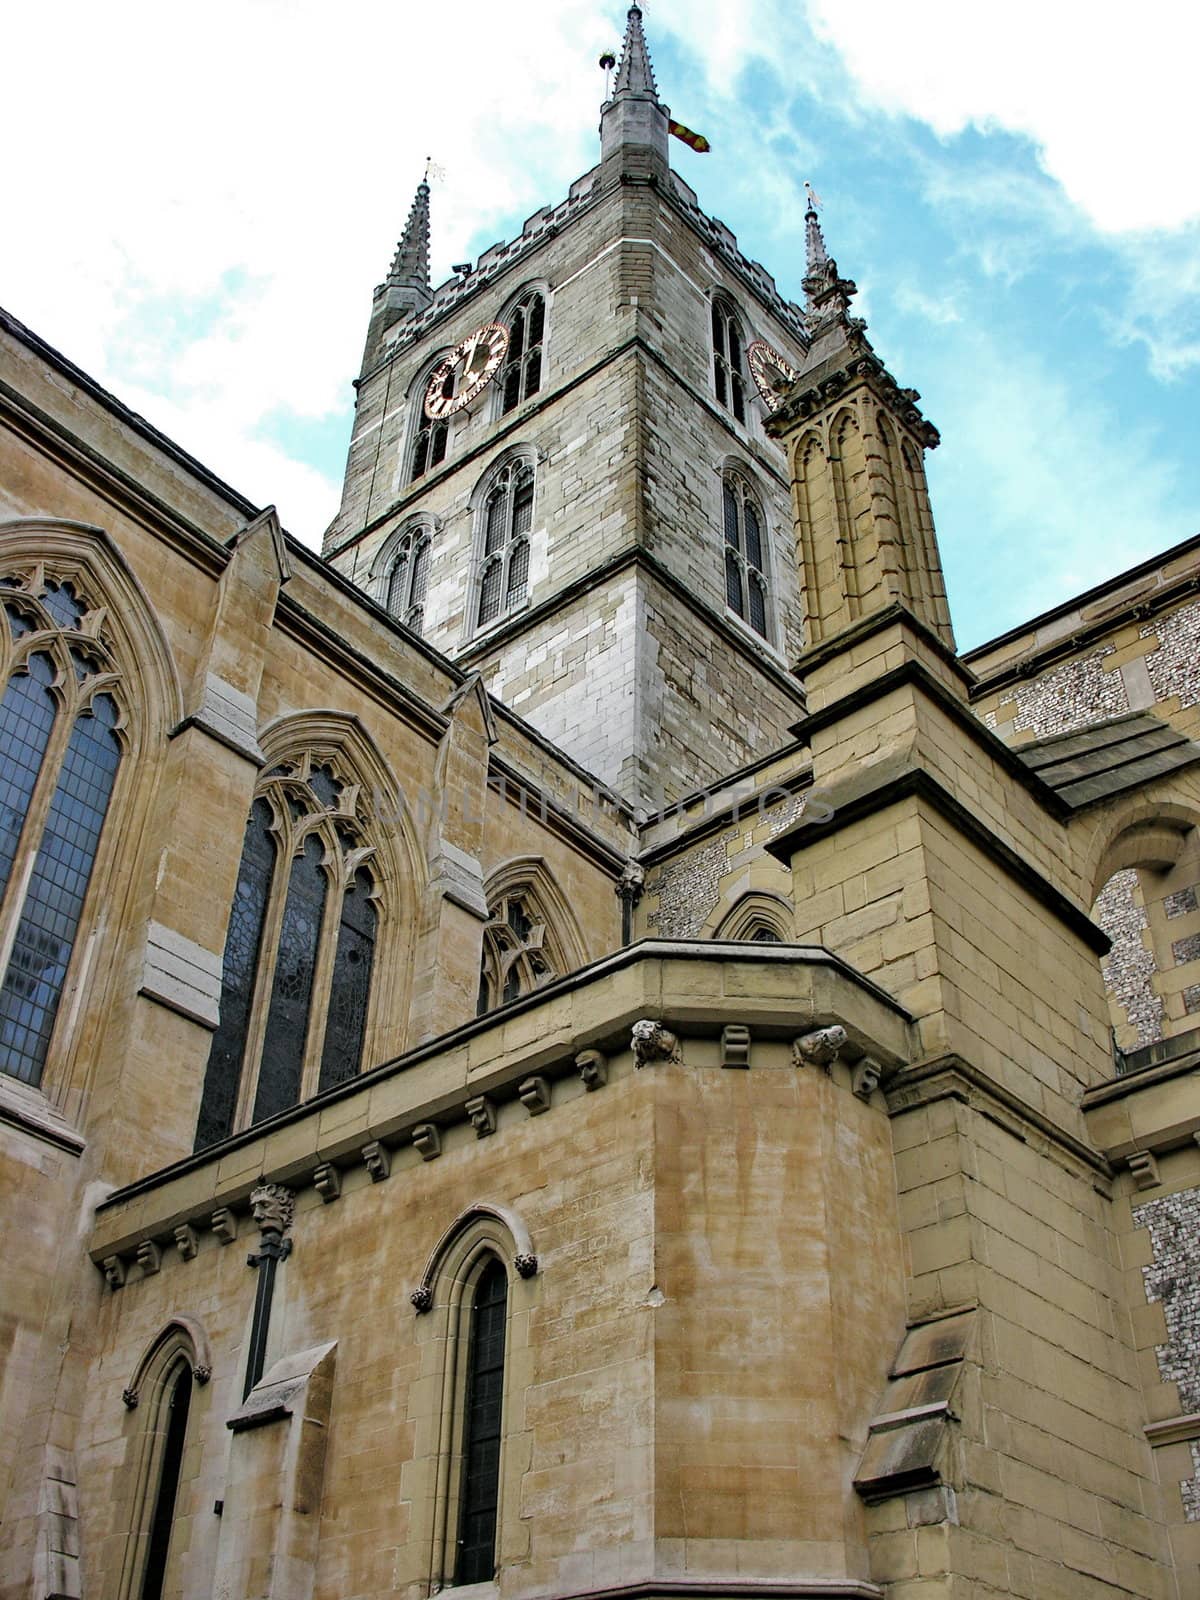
(494,626)
(754,636)
(27,1108)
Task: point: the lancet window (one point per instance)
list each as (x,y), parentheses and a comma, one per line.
(522,372)
(475,1560)
(408,580)
(728,379)
(506,514)
(517,957)
(61,733)
(745,574)
(299,952)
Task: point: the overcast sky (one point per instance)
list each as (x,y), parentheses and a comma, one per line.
(204,199)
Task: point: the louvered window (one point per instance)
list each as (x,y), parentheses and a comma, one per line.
(408,580)
(62,749)
(522,372)
(728,381)
(507,523)
(745,577)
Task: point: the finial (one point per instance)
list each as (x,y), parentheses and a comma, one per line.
(828,294)
(816,254)
(635,75)
(410,264)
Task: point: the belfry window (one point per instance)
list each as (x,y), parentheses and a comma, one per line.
(299,952)
(516,960)
(745,577)
(60,734)
(728,380)
(429,446)
(506,512)
(522,372)
(475,1555)
(408,580)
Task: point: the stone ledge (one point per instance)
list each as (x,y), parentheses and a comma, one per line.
(24,1107)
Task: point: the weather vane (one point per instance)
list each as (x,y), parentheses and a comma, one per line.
(814,199)
(432,170)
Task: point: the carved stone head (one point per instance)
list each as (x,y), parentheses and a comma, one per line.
(273,1205)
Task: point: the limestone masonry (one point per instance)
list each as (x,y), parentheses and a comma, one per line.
(572,1047)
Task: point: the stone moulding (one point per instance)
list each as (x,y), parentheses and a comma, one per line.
(511,1226)
(194,1333)
(812,988)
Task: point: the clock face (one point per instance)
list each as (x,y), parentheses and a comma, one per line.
(773,376)
(466,371)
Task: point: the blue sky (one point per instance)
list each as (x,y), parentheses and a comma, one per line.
(1018,201)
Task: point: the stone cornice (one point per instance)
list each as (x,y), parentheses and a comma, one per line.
(953,1077)
(514,1054)
(889,781)
(862,366)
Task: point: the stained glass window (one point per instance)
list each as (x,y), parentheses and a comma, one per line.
(308,961)
(281,1070)
(347,1025)
(476,1554)
(62,868)
(243,941)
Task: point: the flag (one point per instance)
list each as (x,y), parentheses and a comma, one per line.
(694,141)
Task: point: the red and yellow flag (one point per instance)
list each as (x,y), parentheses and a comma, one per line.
(694,141)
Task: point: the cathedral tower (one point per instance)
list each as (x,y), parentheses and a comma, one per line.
(560,472)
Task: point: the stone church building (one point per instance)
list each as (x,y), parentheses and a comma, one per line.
(573,1047)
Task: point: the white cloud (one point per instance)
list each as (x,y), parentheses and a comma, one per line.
(1107,97)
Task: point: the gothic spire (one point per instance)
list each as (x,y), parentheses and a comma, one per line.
(828,294)
(816,254)
(410,264)
(635,75)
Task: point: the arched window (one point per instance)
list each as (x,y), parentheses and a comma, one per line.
(757,918)
(728,379)
(745,563)
(482,1433)
(60,734)
(408,580)
(160,1398)
(521,375)
(506,515)
(430,435)
(299,951)
(516,959)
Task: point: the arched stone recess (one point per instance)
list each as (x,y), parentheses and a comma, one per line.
(1143,869)
(813,512)
(484,1233)
(132,663)
(757,917)
(392,854)
(180,1333)
(532,936)
(848,459)
(179,1350)
(482,1226)
(410,528)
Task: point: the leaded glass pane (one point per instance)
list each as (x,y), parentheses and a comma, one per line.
(243,942)
(512,389)
(518,575)
(420,574)
(439,439)
(730,506)
(341,1057)
(61,602)
(476,1562)
(420,460)
(739,394)
(516,338)
(26,717)
(489,592)
(281,1070)
(45,935)
(533,372)
(325,786)
(537,320)
(753,547)
(494,531)
(733,583)
(758,604)
(397,595)
(523,507)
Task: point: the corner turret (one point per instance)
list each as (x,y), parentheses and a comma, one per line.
(407,288)
(634,124)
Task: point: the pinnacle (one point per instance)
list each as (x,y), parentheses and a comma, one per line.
(635,75)
(410,264)
(814,240)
